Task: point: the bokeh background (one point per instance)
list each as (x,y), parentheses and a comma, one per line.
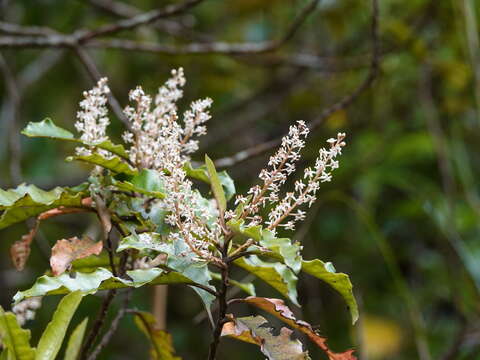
(401,216)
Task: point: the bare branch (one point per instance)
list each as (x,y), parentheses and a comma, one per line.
(86,37)
(139,20)
(175,28)
(339,105)
(97,325)
(113,327)
(14,29)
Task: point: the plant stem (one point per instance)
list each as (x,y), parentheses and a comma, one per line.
(97,326)
(222,305)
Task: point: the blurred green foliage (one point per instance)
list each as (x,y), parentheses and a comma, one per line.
(400,217)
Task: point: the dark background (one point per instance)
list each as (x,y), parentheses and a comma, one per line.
(401,215)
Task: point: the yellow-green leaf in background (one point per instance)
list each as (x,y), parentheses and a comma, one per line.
(75,341)
(15,340)
(161,341)
(52,337)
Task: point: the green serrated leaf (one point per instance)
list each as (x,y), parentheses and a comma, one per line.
(75,341)
(201,173)
(113,163)
(52,338)
(15,339)
(47,129)
(277,275)
(161,341)
(27,200)
(147,182)
(339,281)
(100,279)
(215,184)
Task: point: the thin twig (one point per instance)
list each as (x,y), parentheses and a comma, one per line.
(97,326)
(139,20)
(113,327)
(14,29)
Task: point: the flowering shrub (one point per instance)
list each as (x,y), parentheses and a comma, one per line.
(168,231)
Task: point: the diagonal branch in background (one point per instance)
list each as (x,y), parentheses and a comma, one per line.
(175,28)
(259,104)
(86,38)
(341,104)
(14,29)
(139,20)
(211,47)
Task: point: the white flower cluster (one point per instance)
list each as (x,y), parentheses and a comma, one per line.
(25,309)
(188,214)
(158,141)
(156,136)
(92,120)
(281,165)
(306,190)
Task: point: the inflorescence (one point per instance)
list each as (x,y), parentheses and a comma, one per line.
(158,140)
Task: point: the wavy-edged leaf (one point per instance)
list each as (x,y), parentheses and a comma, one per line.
(249,288)
(277,275)
(147,182)
(256,330)
(277,308)
(52,338)
(238,226)
(47,129)
(67,250)
(113,163)
(161,341)
(28,200)
(100,279)
(201,174)
(339,281)
(290,252)
(15,339)
(75,341)
(215,184)
(179,259)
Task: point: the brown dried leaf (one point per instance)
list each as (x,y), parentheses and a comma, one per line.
(20,249)
(277,308)
(255,329)
(66,250)
(59,211)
